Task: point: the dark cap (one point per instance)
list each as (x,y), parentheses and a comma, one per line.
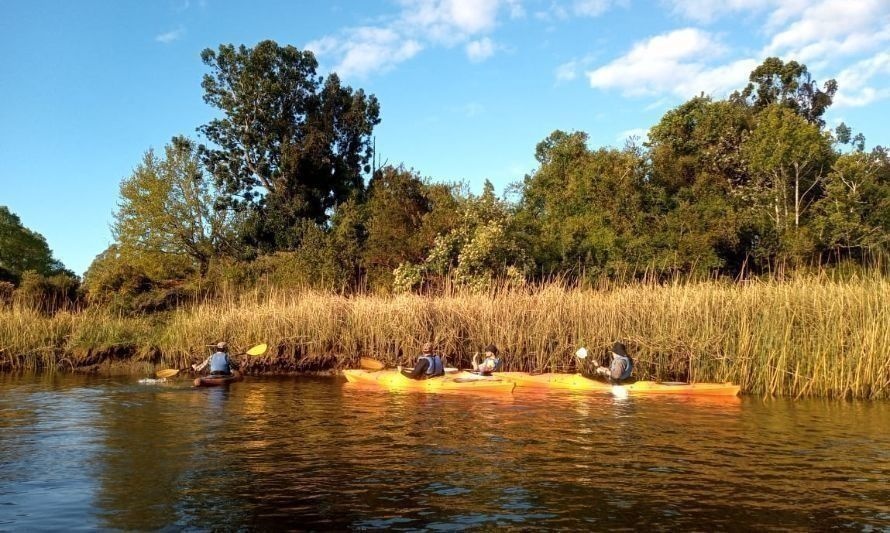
(492,348)
(618,349)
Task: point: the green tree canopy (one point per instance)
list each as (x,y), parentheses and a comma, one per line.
(291,144)
(22,249)
(790,85)
(168,211)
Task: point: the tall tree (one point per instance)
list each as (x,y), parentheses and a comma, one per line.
(292,144)
(788,158)
(22,249)
(789,84)
(168,210)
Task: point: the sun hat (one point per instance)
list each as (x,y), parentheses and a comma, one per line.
(222,346)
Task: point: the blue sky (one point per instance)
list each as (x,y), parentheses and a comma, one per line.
(467,87)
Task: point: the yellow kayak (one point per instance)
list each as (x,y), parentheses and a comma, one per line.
(579,382)
(460,382)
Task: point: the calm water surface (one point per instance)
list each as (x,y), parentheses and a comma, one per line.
(300,453)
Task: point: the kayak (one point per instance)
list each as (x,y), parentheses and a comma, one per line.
(579,382)
(213,381)
(459,382)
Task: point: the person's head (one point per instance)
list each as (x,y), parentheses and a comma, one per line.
(222,346)
(491,349)
(427,348)
(618,349)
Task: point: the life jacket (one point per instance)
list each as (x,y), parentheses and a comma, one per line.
(628,365)
(219,362)
(435,368)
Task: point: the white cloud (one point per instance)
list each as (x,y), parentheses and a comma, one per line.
(674,62)
(420,23)
(480,50)
(170,36)
(854,87)
(366,50)
(831,28)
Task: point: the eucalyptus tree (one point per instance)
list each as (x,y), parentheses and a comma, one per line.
(291,144)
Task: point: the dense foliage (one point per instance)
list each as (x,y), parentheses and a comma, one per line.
(741,186)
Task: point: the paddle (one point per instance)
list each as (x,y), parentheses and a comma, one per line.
(371,364)
(619,391)
(259,349)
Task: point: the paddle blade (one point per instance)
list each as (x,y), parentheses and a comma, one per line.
(370,364)
(259,349)
(581,353)
(167,373)
(619,392)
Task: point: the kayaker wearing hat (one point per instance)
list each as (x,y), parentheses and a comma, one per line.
(620,368)
(429,364)
(220,364)
(490,363)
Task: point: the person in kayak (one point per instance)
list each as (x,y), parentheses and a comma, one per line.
(220,364)
(429,364)
(490,362)
(620,368)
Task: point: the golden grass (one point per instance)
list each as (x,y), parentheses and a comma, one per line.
(807,337)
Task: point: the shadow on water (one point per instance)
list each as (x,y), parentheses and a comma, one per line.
(274,453)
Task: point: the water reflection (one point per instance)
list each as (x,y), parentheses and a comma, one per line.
(311,453)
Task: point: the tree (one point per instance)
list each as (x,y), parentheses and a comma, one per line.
(292,145)
(478,249)
(168,211)
(22,249)
(854,214)
(790,85)
(788,158)
(584,208)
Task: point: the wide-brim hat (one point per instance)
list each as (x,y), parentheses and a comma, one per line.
(222,346)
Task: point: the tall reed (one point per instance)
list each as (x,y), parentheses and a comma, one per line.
(806,337)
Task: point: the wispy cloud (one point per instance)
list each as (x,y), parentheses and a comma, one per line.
(855,86)
(639,133)
(480,50)
(420,24)
(170,36)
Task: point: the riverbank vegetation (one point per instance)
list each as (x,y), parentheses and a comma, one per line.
(807,337)
(742,239)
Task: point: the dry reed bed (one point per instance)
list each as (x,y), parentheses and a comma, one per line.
(809,337)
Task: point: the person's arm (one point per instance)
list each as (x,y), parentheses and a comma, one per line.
(200,366)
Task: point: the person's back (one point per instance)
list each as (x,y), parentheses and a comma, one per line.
(219,361)
(429,364)
(620,368)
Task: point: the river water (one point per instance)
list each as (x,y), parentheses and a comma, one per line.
(89,452)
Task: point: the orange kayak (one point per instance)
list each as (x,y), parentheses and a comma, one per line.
(460,382)
(581,383)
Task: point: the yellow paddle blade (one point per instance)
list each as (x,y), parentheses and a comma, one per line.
(259,349)
(167,373)
(371,364)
